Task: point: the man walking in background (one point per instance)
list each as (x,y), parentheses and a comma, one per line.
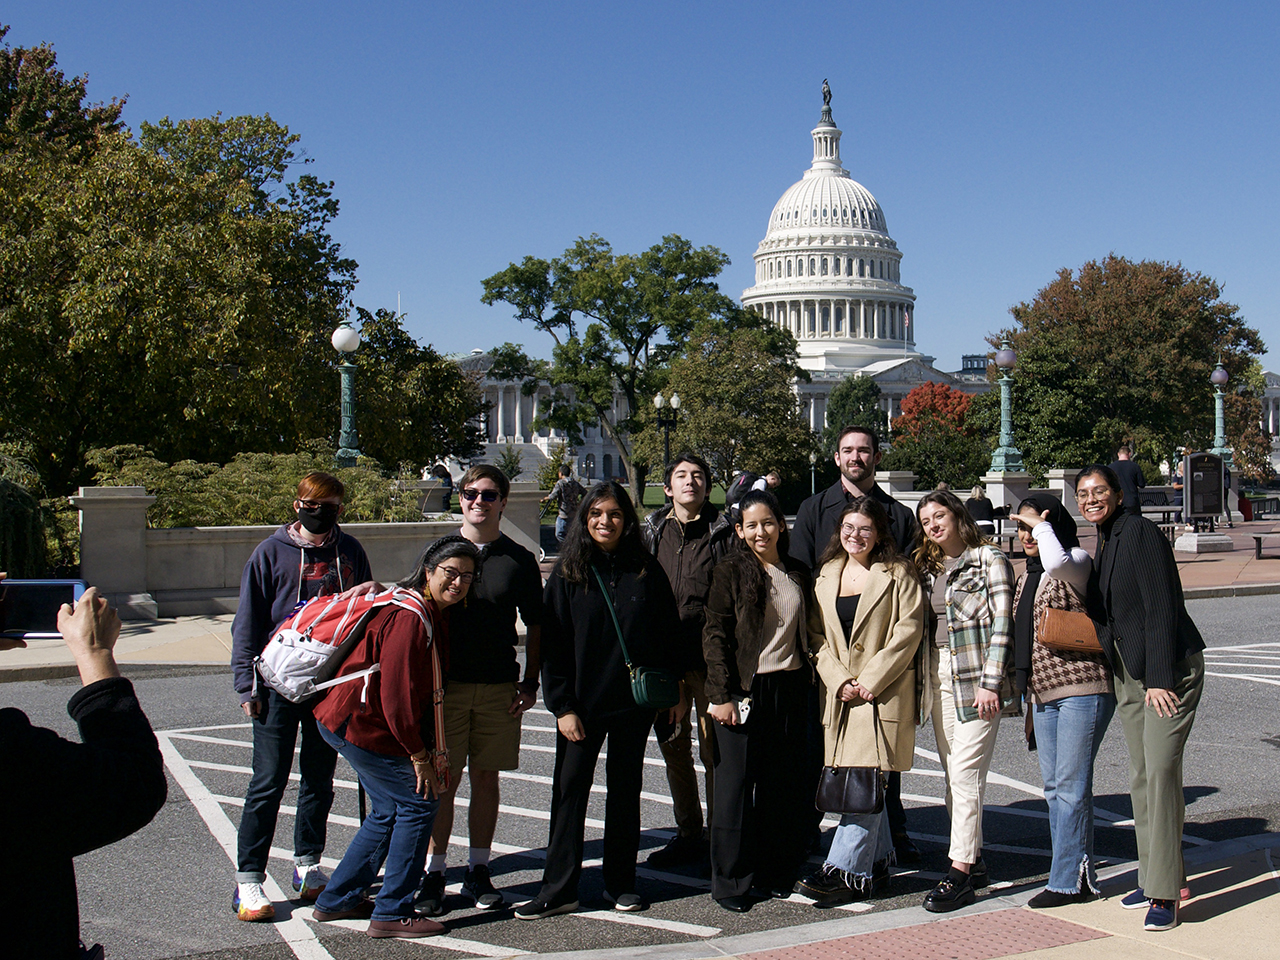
(1131,480)
(567,493)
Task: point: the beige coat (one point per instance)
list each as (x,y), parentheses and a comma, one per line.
(880,654)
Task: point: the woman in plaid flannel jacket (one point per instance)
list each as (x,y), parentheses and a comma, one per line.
(969,679)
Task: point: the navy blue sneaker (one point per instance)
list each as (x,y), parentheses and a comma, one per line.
(1161,915)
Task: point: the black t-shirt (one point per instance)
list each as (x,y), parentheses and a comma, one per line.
(482,629)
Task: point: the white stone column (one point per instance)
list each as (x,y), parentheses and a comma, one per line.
(502,415)
(113,547)
(518,394)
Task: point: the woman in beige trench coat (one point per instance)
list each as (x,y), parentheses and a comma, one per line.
(872,610)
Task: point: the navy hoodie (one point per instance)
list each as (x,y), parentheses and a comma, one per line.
(278,577)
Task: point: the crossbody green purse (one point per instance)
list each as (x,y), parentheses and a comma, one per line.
(651,687)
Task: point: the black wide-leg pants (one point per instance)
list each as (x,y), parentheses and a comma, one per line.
(764,790)
(575,769)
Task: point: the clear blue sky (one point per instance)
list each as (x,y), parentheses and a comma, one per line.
(1003,141)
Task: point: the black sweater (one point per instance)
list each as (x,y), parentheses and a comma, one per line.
(62,799)
(583,669)
(1137,599)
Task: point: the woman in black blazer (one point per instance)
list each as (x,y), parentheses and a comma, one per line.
(1155,653)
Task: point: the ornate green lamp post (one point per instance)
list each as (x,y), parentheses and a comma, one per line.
(1218,378)
(345,340)
(1007,458)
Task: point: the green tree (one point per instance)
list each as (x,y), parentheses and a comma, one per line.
(508,462)
(414,405)
(738,408)
(38,102)
(615,320)
(1120,350)
(547,474)
(854,401)
(933,438)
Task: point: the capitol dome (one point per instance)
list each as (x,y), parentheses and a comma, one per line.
(828,271)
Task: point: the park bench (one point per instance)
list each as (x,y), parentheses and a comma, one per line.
(1264,507)
(1257,542)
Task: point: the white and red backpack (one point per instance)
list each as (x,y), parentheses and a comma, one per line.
(307,650)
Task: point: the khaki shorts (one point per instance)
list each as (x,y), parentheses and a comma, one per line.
(478,730)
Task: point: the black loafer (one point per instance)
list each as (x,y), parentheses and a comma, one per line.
(736,904)
(1051,898)
(950,894)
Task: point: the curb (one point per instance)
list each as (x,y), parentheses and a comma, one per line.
(1231,590)
(128,670)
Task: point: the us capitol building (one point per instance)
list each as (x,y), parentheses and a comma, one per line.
(828,271)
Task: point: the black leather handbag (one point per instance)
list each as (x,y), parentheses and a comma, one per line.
(852,789)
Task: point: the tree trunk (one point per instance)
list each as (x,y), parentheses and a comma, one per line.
(635,474)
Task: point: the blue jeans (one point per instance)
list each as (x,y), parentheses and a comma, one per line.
(562,524)
(397,830)
(861,841)
(274,733)
(1068,733)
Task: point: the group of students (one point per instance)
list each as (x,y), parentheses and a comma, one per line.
(826,645)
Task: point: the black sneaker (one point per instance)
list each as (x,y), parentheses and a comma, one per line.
(1051,898)
(476,885)
(950,894)
(833,887)
(978,874)
(680,851)
(537,909)
(431,896)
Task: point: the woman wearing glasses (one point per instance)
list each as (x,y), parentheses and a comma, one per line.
(1155,653)
(605,584)
(872,611)
(391,732)
(970,679)
(1068,694)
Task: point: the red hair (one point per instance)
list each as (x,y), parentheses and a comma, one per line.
(320,486)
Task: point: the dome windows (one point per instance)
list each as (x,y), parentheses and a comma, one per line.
(824,213)
(812,265)
(824,266)
(788,268)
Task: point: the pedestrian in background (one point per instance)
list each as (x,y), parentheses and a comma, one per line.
(1157,662)
(1068,694)
(566,495)
(970,679)
(1131,480)
(872,614)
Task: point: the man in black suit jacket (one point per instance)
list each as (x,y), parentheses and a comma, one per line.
(857,456)
(1131,480)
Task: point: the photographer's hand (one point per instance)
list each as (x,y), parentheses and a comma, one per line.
(90,632)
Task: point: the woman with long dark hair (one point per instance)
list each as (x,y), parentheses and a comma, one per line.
(389,735)
(758,681)
(872,612)
(604,583)
(1067,692)
(970,678)
(1157,668)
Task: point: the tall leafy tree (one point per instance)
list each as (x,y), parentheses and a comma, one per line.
(414,405)
(1122,350)
(616,321)
(737,405)
(934,438)
(855,400)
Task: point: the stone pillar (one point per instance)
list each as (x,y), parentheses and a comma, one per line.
(1063,483)
(1007,489)
(519,398)
(895,482)
(502,416)
(113,547)
(520,521)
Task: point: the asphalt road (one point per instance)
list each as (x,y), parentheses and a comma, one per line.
(166,892)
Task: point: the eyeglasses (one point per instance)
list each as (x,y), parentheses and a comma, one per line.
(1094,495)
(849,530)
(451,574)
(488,496)
(314,504)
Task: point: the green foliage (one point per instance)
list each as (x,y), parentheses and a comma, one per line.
(854,401)
(737,407)
(1121,351)
(934,439)
(616,321)
(413,405)
(254,488)
(37,101)
(547,474)
(23,552)
(508,462)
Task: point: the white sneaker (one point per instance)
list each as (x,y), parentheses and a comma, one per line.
(309,882)
(251,903)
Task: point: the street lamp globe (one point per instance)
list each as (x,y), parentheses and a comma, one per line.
(675,401)
(345,339)
(1219,375)
(1005,357)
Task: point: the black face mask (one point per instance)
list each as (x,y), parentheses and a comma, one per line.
(319,519)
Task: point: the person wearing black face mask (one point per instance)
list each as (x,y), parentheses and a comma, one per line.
(308,558)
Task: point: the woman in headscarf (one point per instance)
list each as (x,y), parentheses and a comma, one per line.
(1068,694)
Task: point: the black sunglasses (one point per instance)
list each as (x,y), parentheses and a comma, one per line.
(488,496)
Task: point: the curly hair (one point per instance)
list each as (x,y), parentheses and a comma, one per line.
(886,549)
(929,556)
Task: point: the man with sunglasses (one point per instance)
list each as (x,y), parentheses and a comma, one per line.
(483,701)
